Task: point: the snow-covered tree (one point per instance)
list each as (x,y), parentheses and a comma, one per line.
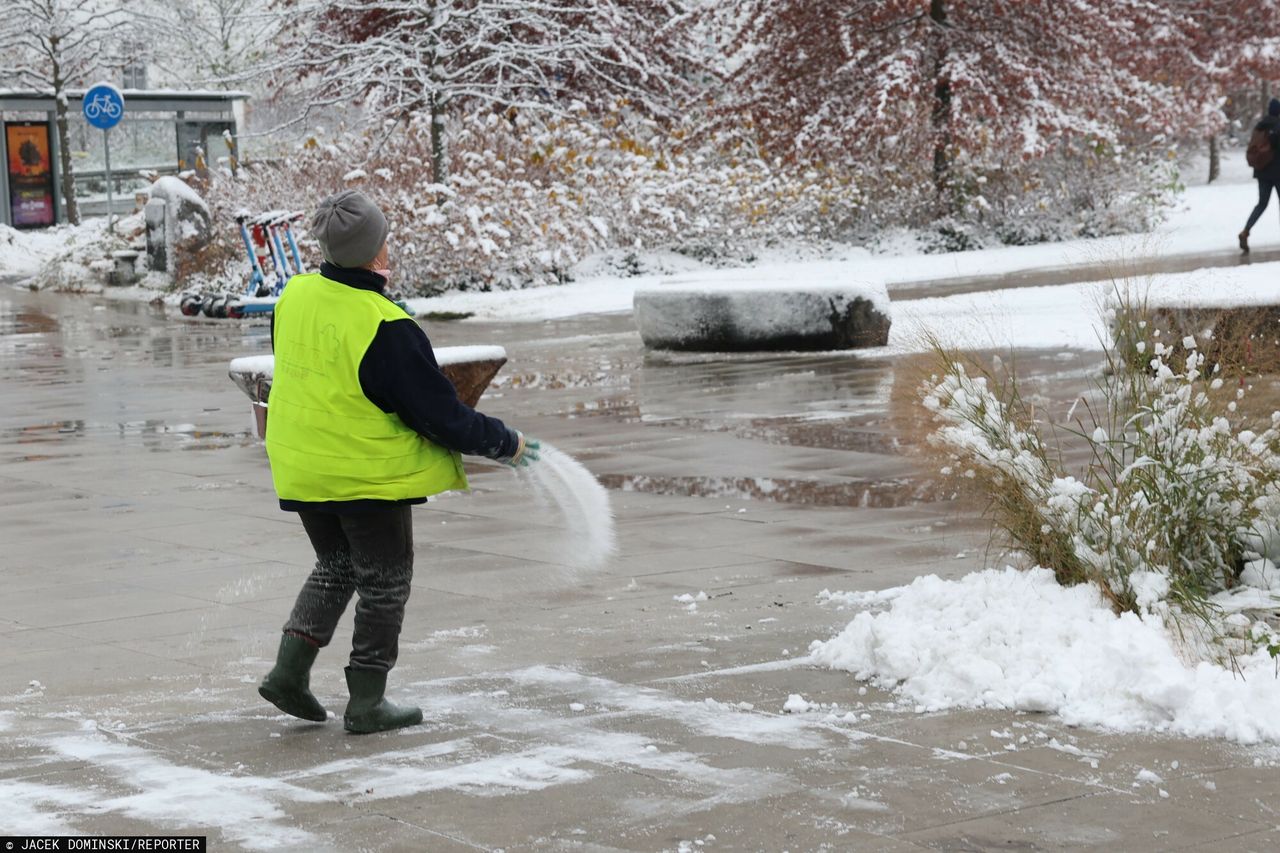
(53,46)
(917,82)
(399,58)
(196,42)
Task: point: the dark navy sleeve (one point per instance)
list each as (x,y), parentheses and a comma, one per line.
(399,374)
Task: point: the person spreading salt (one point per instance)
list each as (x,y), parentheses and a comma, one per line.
(363,426)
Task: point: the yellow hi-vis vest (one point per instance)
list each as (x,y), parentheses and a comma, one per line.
(325,439)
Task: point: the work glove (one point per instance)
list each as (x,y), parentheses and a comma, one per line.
(527,452)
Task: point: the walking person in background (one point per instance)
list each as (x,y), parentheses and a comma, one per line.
(363,424)
(1261,155)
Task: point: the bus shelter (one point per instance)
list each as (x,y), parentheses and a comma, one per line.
(162,132)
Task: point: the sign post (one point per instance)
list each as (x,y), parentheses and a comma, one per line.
(103,108)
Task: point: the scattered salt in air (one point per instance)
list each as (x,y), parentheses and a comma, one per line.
(560,483)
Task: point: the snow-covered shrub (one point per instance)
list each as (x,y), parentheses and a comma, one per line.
(1178,495)
(77,258)
(528,197)
(1072,191)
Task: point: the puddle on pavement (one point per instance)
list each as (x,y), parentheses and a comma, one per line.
(153,434)
(22,322)
(126,356)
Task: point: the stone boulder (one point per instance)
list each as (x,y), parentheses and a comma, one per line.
(797,307)
(179,226)
(470,369)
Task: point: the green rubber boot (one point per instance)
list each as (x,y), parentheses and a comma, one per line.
(288,684)
(368,711)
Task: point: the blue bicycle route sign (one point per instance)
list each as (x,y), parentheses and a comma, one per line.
(103,106)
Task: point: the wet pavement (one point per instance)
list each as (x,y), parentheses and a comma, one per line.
(147,571)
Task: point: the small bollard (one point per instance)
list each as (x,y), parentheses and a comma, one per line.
(156,215)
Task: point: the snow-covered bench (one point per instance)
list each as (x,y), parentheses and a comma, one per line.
(819,306)
(470,369)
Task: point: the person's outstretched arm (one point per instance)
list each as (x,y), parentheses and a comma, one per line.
(399,374)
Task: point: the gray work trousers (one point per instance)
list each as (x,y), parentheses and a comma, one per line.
(368,554)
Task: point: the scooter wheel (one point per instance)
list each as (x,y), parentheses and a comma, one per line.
(190,304)
(215,306)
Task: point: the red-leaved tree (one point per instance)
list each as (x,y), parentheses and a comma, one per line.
(931,81)
(1234,46)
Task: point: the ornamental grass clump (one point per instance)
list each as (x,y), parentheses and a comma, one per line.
(1176,495)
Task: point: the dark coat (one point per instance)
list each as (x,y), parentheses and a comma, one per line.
(399,374)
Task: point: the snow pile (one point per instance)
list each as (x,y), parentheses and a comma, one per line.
(1018,641)
(22,252)
(561,485)
(70,257)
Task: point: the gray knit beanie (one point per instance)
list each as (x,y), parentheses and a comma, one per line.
(349,228)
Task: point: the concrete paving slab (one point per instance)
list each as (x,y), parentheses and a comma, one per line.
(1099,821)
(384,832)
(565,712)
(1251,842)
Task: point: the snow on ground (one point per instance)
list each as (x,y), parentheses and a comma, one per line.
(246,809)
(528,744)
(1205,220)
(1067,316)
(23,252)
(1017,640)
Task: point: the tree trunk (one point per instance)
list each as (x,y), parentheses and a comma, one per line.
(437,103)
(941,118)
(1215,158)
(438,173)
(70,205)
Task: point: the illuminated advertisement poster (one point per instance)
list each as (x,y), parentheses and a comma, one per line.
(30,165)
